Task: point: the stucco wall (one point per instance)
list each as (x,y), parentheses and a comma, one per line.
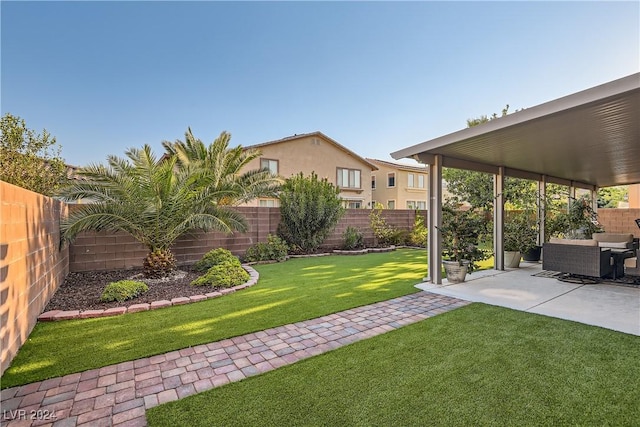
(315,154)
(31,264)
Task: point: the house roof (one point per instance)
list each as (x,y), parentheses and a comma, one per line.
(316,134)
(399,166)
(590,138)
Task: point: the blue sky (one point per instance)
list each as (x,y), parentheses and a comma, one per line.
(375,76)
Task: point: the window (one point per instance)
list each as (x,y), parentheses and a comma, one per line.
(268,203)
(354,204)
(348,178)
(413,205)
(391,179)
(411,181)
(270,164)
(373,182)
(391,204)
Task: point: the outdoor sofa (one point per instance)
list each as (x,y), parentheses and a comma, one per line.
(591,257)
(580,257)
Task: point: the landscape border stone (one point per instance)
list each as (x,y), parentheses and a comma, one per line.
(59,315)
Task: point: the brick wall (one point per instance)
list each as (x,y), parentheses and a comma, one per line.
(107,251)
(31,264)
(619,220)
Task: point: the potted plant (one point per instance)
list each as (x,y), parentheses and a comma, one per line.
(460,232)
(520,236)
(579,222)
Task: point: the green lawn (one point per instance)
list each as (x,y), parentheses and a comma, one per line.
(288,292)
(478,365)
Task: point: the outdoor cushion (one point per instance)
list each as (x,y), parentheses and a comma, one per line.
(613,237)
(577,242)
(614,245)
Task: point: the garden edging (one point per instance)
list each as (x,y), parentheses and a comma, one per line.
(56,315)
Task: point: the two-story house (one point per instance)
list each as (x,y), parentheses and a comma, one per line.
(316,152)
(398,186)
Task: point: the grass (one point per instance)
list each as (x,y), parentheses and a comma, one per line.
(296,290)
(478,365)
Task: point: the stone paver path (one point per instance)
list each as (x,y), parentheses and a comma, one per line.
(118,395)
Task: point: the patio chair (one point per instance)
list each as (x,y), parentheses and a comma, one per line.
(632,265)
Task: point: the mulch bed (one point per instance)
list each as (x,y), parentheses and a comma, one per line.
(81,291)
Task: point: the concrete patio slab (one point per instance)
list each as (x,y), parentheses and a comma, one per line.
(605,305)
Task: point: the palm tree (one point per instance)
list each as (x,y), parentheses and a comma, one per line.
(158,200)
(219,167)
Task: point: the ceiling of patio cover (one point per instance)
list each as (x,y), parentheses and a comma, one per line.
(590,137)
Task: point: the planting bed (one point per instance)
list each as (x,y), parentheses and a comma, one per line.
(82,290)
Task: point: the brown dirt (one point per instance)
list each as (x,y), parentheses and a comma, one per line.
(81,291)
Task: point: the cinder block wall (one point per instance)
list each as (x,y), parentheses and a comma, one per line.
(619,220)
(93,251)
(31,264)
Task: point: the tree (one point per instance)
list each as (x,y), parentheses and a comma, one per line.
(158,200)
(310,209)
(476,188)
(28,159)
(609,197)
(220,167)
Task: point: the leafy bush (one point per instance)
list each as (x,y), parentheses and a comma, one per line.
(418,236)
(310,209)
(225,275)
(215,257)
(461,232)
(399,237)
(383,232)
(123,290)
(274,249)
(352,239)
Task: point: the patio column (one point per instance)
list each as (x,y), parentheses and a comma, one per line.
(572,196)
(542,197)
(498,219)
(434,219)
(593,193)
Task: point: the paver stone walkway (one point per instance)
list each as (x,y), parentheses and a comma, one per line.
(118,395)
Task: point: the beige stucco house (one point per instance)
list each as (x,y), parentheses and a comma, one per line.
(398,186)
(316,152)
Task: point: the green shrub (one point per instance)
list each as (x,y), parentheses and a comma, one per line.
(215,257)
(418,236)
(310,208)
(225,275)
(352,239)
(399,237)
(383,232)
(274,249)
(123,290)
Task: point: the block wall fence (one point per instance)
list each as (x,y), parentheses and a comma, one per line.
(93,251)
(32,266)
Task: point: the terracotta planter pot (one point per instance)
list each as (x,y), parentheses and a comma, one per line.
(456,273)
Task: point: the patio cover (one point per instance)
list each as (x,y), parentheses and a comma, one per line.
(589,139)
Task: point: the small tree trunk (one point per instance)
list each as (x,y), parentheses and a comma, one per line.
(159,263)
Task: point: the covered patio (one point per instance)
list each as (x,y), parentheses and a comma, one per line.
(588,140)
(605,305)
